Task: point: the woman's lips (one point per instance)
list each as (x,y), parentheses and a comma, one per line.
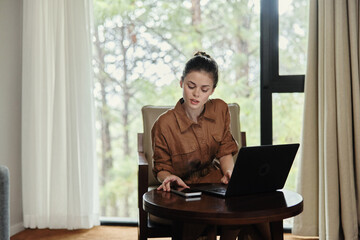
(193,101)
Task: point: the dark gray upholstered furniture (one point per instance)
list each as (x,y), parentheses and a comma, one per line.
(4,203)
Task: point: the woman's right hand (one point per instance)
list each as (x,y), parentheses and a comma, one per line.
(170,180)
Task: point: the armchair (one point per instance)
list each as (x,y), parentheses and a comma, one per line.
(149,226)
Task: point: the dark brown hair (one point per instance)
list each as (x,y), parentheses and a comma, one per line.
(201,61)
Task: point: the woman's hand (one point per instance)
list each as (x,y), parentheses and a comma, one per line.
(170,180)
(226,178)
(227,166)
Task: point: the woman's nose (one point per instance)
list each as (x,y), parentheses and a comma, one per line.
(196,92)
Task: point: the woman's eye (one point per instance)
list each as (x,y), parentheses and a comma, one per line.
(205,90)
(191,87)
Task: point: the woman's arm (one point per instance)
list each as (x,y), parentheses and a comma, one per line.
(162,166)
(167,178)
(227,166)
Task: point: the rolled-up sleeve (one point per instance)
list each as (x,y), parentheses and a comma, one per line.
(161,156)
(228,144)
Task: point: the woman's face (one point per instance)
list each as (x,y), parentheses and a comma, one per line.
(197,88)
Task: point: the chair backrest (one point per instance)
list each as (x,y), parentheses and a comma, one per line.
(151,113)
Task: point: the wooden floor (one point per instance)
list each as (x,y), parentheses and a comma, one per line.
(96,233)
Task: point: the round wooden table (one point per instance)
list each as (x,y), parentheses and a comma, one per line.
(234,211)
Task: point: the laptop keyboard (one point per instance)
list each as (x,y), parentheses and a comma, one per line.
(219,190)
(212,188)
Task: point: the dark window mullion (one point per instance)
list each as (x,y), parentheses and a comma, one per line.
(287,84)
(269,65)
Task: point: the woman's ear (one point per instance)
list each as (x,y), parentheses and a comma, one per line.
(181,83)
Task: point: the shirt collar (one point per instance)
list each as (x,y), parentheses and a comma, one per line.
(184,122)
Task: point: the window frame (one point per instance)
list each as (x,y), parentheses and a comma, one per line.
(270,80)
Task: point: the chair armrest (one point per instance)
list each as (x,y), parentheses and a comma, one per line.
(143,168)
(142,160)
(142,176)
(243,139)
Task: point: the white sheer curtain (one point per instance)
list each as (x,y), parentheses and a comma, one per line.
(58,133)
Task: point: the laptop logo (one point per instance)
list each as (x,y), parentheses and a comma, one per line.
(264,169)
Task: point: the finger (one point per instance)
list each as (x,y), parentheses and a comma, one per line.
(161,187)
(224,180)
(167,186)
(165,183)
(181,183)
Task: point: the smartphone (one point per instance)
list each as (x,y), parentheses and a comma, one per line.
(186,192)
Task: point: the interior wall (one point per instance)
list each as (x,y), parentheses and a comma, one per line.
(10,103)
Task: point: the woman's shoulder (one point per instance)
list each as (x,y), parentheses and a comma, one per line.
(165,118)
(218,104)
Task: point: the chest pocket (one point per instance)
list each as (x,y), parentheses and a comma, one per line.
(217,137)
(186,158)
(215,142)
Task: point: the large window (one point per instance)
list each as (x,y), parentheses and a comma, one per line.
(140,50)
(283,58)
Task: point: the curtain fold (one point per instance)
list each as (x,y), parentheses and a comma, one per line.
(59,172)
(330,156)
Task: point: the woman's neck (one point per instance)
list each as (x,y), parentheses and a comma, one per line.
(193,114)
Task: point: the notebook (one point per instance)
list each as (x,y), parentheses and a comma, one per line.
(258,169)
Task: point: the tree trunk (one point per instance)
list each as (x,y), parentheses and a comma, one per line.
(196,20)
(126,93)
(106,149)
(242,47)
(195,12)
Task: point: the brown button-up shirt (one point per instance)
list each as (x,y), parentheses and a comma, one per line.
(188,149)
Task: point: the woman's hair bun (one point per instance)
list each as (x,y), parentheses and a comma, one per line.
(201,61)
(204,54)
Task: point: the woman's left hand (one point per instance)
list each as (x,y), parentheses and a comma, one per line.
(226,178)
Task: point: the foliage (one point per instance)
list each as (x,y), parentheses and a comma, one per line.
(293,37)
(140,48)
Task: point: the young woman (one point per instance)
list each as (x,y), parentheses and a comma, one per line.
(188,139)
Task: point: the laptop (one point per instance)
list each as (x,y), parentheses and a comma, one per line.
(258,169)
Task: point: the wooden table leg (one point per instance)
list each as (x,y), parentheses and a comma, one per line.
(211,232)
(187,231)
(277,230)
(178,230)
